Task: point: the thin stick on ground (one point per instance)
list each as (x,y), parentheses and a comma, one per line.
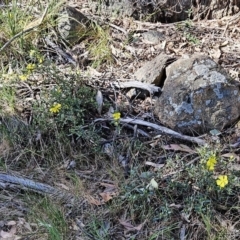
(164,130)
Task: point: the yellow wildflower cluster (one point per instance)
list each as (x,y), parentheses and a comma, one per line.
(116,116)
(211,162)
(222,181)
(30,67)
(40,60)
(55,108)
(33,54)
(23,77)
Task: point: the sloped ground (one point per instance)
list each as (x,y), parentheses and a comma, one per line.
(110,180)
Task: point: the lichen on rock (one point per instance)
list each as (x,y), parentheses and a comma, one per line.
(198,96)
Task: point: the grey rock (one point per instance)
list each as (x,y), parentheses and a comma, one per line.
(113,8)
(153,71)
(160,10)
(131,93)
(72,24)
(198,96)
(153,37)
(165,10)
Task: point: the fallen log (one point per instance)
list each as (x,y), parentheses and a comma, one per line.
(10,181)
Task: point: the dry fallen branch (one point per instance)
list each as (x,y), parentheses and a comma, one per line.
(118,28)
(151,88)
(24,183)
(157,127)
(164,130)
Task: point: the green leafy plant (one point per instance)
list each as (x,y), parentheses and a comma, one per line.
(191,38)
(65,105)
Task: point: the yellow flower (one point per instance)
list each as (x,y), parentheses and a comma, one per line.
(55,108)
(116,116)
(23,77)
(30,67)
(211,162)
(222,181)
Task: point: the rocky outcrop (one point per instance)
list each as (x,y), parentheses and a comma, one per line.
(198,96)
(165,11)
(160,10)
(113,8)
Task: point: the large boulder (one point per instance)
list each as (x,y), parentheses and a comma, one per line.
(198,96)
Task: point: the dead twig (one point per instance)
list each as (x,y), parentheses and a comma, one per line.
(164,130)
(151,88)
(118,28)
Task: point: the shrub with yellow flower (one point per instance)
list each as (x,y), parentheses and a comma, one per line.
(116,116)
(211,162)
(23,77)
(55,108)
(31,66)
(222,181)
